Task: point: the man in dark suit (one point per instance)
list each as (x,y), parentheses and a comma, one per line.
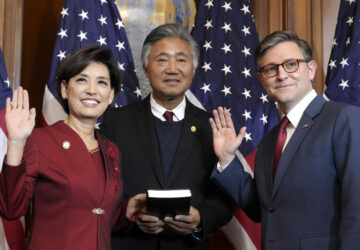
(166,143)
(306,184)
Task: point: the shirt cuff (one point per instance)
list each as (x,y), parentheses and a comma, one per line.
(221,168)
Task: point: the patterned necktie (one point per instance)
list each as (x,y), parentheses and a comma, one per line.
(168,115)
(280,141)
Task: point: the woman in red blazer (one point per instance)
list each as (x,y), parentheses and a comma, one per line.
(68,170)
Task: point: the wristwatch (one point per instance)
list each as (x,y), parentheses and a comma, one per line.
(197,234)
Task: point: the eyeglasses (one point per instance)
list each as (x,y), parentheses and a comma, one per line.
(289,66)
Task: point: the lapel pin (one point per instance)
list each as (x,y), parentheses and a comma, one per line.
(306,125)
(66,145)
(193,129)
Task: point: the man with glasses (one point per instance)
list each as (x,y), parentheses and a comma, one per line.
(306,184)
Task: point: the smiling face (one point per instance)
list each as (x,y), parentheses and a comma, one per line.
(170,70)
(89,93)
(287,89)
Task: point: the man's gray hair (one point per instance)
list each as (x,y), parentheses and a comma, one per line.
(279,37)
(169,30)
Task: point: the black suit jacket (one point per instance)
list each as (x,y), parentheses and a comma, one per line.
(133,129)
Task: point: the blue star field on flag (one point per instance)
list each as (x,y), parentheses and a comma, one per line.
(95,22)
(342,80)
(226,74)
(5,90)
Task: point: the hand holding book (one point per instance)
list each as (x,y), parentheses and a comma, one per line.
(168,203)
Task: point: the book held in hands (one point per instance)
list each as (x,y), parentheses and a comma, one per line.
(168,203)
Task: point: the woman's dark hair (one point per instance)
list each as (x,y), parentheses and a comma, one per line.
(78,60)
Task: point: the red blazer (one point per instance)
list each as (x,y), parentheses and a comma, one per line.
(57,174)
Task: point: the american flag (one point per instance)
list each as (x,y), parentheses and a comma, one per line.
(226,76)
(90,22)
(12,234)
(342,78)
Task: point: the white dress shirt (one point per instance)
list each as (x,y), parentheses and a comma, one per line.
(157,110)
(296,113)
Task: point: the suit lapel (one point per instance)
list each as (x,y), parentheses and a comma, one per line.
(187,138)
(75,159)
(302,129)
(146,127)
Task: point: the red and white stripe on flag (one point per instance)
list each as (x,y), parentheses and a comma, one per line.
(52,111)
(12,235)
(240,233)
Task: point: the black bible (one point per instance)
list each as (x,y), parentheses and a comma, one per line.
(168,203)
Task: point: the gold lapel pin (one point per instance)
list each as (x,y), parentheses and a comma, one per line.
(66,144)
(193,129)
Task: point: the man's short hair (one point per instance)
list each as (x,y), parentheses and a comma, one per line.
(169,30)
(279,37)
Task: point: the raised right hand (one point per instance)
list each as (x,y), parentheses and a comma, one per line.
(20,121)
(225,139)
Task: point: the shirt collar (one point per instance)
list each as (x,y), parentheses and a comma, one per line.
(297,112)
(157,110)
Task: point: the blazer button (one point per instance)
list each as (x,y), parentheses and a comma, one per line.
(271,210)
(98,211)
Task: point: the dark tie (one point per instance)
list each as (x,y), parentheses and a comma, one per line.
(280,141)
(168,115)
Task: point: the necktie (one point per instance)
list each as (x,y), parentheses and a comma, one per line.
(168,115)
(280,141)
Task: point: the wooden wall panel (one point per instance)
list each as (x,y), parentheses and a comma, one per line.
(317,44)
(268,15)
(11,14)
(39,33)
(298,18)
(304,17)
(330,10)
(275,17)
(2,20)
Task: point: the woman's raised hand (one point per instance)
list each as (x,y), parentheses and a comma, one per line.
(20,121)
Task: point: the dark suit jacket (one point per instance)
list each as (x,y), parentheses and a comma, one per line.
(62,185)
(313,202)
(132,128)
